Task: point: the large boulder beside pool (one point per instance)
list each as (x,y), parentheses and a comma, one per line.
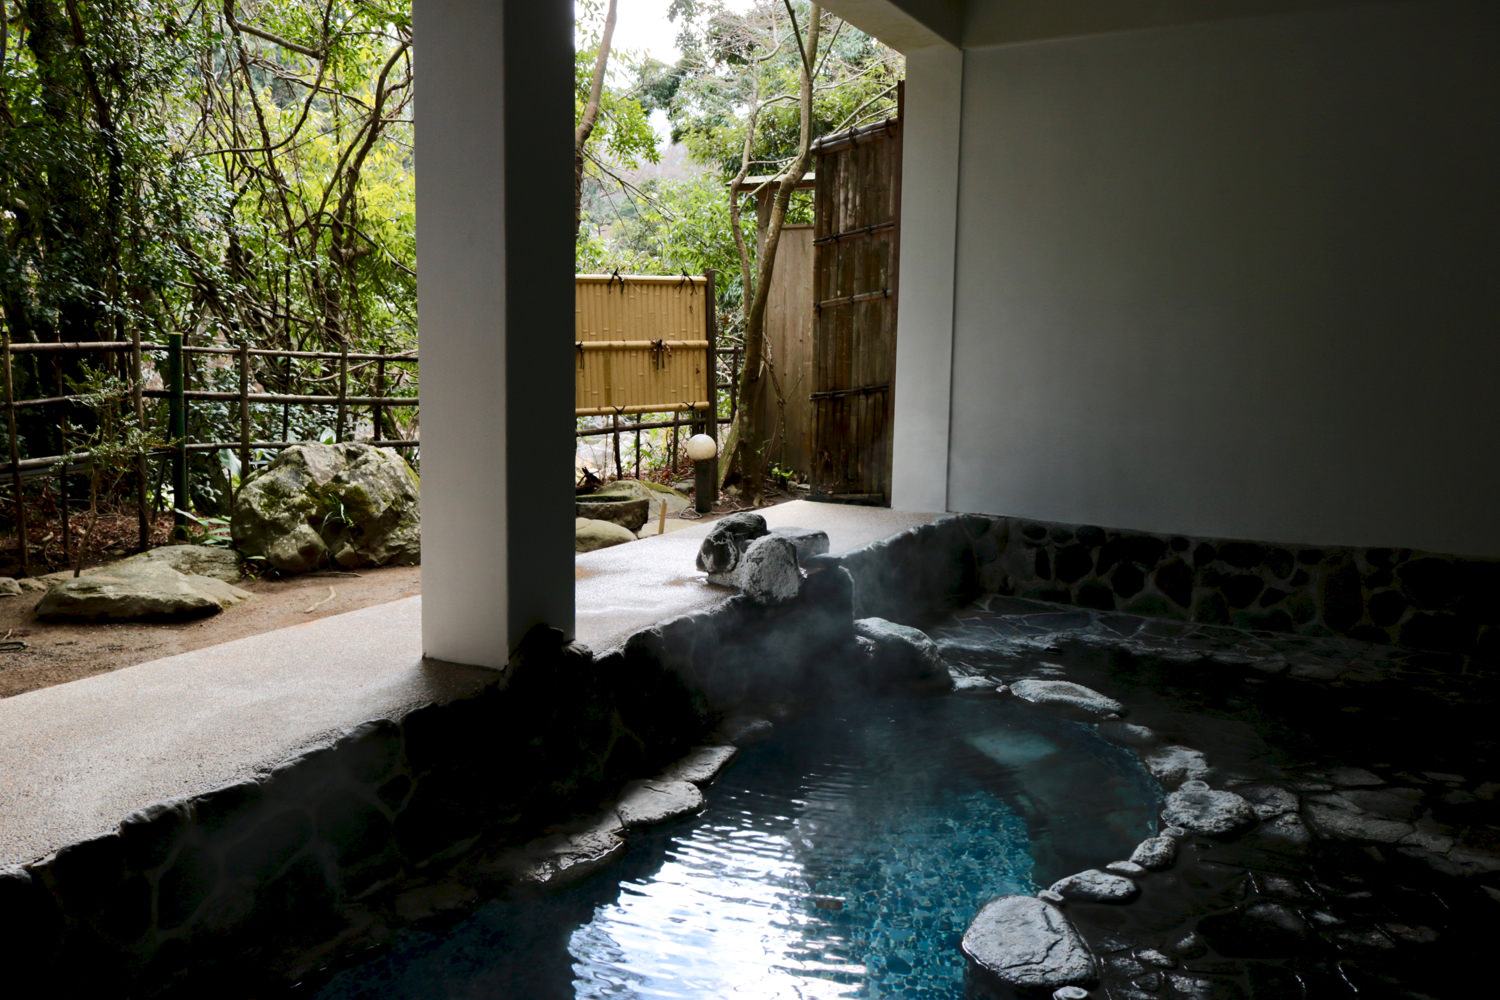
(348,504)
(726,543)
(137,590)
(901,655)
(1027,945)
(590,534)
(1209,811)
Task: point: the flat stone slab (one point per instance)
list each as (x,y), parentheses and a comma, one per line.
(205,560)
(701,765)
(131,591)
(1095,886)
(1208,811)
(1173,765)
(590,534)
(1028,944)
(1068,695)
(647,803)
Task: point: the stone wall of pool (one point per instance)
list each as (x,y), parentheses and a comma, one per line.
(1421,600)
(257,883)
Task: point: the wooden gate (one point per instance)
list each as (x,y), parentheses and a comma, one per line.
(856,216)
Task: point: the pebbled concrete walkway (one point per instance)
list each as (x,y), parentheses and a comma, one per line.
(76,759)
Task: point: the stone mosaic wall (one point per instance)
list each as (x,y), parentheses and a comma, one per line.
(1384,595)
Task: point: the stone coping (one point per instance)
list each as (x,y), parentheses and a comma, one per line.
(78,758)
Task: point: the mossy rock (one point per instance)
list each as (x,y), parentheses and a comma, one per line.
(633,489)
(347,504)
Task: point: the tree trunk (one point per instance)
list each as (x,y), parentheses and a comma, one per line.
(590,114)
(746,444)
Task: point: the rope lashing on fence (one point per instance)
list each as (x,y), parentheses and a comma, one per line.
(614,276)
(659,351)
(578,345)
(687,279)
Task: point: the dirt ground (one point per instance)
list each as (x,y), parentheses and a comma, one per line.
(56,652)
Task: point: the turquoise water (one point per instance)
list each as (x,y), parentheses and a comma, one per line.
(844,857)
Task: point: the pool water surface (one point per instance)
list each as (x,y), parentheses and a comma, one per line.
(842,857)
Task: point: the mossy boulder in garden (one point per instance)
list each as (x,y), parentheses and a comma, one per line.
(347,504)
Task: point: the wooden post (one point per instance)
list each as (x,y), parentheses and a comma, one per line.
(377,412)
(706,474)
(65,427)
(676,423)
(338,433)
(15,460)
(244,412)
(177,432)
(143,520)
(614,426)
(637,446)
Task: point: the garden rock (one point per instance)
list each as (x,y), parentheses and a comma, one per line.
(808,542)
(647,803)
(1067,695)
(130,590)
(726,543)
(627,513)
(767,572)
(204,560)
(1095,886)
(702,765)
(655,493)
(902,655)
(350,504)
(1155,853)
(1028,945)
(1175,764)
(589,534)
(9,587)
(1208,811)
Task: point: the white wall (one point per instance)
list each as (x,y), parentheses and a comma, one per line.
(1235,279)
(924,339)
(494,131)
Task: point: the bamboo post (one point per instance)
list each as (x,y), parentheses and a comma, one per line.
(177,432)
(65,428)
(711,320)
(143,520)
(614,426)
(377,412)
(15,460)
(244,412)
(338,434)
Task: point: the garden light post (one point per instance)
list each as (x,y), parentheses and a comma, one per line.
(703,449)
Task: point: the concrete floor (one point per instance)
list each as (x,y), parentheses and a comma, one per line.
(76,759)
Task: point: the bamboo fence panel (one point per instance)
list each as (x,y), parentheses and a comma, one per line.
(642,344)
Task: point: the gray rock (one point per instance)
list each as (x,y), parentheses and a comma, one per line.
(589,534)
(9,587)
(701,765)
(563,857)
(1130,869)
(32,585)
(203,560)
(1096,886)
(629,513)
(647,803)
(1268,801)
(654,493)
(132,591)
(1173,765)
(1353,824)
(1150,956)
(1392,803)
(1155,853)
(1067,695)
(809,542)
(767,572)
(1028,944)
(902,655)
(727,541)
(1354,777)
(1128,733)
(1289,829)
(349,504)
(1208,811)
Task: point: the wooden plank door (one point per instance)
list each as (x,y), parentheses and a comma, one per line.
(856,229)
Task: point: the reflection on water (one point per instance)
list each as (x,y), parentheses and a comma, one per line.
(842,859)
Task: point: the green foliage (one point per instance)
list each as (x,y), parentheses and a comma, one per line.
(206,530)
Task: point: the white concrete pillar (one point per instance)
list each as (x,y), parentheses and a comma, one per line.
(924,322)
(494,125)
